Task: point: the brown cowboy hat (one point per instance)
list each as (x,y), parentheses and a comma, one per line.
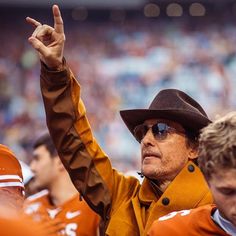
(170,104)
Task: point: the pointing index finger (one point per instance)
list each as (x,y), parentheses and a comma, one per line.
(33,22)
(58,22)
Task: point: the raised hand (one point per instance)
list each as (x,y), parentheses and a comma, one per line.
(49,41)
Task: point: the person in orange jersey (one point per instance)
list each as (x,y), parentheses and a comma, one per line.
(12,222)
(167,132)
(217,160)
(59,201)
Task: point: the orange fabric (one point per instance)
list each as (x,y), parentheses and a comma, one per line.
(13,223)
(195,222)
(19,226)
(72,218)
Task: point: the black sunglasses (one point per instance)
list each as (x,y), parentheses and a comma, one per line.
(159,130)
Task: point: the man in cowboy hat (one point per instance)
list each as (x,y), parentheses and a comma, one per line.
(167,132)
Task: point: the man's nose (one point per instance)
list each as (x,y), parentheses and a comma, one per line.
(32,165)
(149,138)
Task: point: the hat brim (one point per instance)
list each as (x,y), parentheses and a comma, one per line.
(191,121)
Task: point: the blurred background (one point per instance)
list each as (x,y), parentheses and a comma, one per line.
(123,52)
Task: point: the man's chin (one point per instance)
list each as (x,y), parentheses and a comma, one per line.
(37,186)
(148,173)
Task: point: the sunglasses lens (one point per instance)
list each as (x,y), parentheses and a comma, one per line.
(160,130)
(140,131)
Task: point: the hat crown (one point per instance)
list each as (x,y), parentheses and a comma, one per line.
(173,99)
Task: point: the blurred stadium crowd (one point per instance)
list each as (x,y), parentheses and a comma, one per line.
(121,65)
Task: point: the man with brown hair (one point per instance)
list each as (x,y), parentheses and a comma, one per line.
(217,160)
(61,205)
(167,132)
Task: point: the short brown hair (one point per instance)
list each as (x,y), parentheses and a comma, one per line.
(217,145)
(45,140)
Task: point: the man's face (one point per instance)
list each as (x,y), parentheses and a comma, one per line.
(163,159)
(223,188)
(42,166)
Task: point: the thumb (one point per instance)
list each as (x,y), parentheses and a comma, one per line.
(38,45)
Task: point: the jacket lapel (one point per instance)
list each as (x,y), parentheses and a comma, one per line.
(185,192)
(138,214)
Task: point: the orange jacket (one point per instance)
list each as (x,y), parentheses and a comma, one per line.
(126,207)
(196,222)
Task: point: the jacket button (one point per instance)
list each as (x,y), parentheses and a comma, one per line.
(165,201)
(191,168)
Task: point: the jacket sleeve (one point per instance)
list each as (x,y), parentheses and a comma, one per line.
(88,166)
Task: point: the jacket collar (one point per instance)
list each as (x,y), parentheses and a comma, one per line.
(187,176)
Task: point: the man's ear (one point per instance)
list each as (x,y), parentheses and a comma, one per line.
(193,154)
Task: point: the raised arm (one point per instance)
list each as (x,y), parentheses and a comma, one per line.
(89,167)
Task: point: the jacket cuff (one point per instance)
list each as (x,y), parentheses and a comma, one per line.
(55,76)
